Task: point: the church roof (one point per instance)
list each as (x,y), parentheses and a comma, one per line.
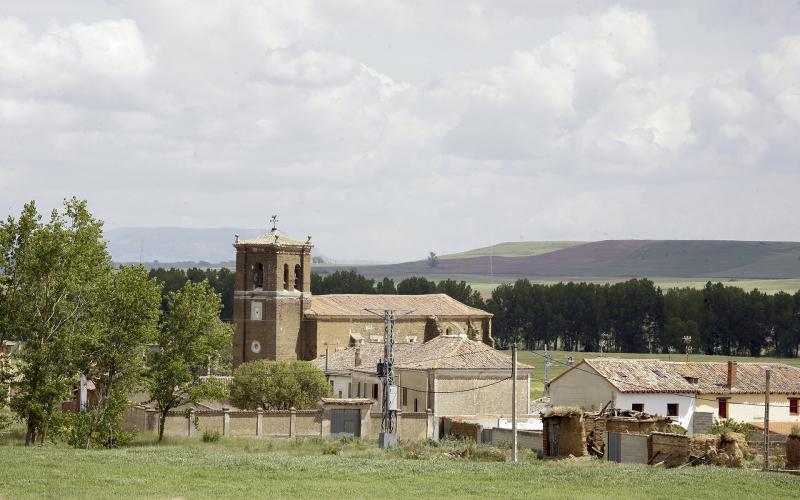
(348,305)
(457,352)
(274,238)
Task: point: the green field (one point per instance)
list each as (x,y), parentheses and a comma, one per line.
(239,468)
(559,362)
(514,249)
(771,286)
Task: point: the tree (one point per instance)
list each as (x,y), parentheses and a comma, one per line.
(342,282)
(416,285)
(115,356)
(51,276)
(462,292)
(386,287)
(191,332)
(278,385)
(433,260)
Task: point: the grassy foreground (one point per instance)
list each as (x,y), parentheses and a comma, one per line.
(288,469)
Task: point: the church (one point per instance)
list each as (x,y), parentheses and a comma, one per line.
(277,317)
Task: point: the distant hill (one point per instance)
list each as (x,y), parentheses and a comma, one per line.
(174,244)
(615,259)
(514,249)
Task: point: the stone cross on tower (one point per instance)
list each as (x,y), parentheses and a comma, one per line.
(274,221)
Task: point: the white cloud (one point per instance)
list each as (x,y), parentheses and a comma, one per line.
(452,125)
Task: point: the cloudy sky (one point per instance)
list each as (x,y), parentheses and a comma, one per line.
(387,129)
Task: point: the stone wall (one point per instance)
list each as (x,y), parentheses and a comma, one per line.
(531,440)
(257,424)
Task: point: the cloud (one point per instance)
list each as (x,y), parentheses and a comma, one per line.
(425,126)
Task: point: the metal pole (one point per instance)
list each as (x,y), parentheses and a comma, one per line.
(388,436)
(766,421)
(514,402)
(546,369)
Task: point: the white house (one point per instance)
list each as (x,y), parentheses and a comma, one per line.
(683,391)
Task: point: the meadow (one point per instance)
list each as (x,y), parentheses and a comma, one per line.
(238,468)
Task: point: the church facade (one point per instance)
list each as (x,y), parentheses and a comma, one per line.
(276,316)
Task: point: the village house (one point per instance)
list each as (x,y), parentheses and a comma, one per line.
(448,375)
(277,317)
(694,394)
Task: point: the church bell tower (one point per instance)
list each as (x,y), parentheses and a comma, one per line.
(273,285)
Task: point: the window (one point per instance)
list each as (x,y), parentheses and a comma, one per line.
(672,409)
(637,407)
(375,392)
(298,278)
(722,407)
(340,394)
(659,374)
(258,276)
(793,406)
(405,396)
(416,407)
(286,276)
(359,390)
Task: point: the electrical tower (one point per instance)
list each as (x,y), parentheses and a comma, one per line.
(388,436)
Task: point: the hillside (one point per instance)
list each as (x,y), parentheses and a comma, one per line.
(619,259)
(514,249)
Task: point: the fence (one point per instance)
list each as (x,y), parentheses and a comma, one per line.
(286,423)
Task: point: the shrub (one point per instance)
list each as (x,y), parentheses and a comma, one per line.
(211,436)
(795,432)
(331,448)
(730,425)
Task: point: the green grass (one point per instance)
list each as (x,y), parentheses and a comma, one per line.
(515,249)
(238,468)
(559,360)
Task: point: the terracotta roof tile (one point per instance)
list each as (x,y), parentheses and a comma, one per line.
(443,352)
(273,238)
(639,375)
(750,377)
(437,304)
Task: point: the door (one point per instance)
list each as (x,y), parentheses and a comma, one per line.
(346,422)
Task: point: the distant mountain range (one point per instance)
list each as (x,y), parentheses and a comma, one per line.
(547,260)
(612,259)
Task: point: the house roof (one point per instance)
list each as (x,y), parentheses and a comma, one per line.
(456,352)
(712,377)
(653,375)
(442,352)
(639,375)
(273,238)
(345,359)
(437,304)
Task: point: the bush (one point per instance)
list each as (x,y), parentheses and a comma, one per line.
(331,448)
(211,436)
(795,432)
(728,425)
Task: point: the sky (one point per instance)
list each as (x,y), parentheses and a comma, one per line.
(387,129)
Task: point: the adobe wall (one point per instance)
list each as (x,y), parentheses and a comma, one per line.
(308,423)
(457,393)
(412,425)
(672,449)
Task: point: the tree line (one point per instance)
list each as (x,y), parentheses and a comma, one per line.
(629,316)
(637,316)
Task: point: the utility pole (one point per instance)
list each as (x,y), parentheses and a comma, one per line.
(546,370)
(688,341)
(514,401)
(766,421)
(388,435)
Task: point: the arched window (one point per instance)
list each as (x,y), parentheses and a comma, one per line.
(258,276)
(286,276)
(298,278)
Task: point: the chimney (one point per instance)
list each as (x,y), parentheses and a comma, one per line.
(357,362)
(731,374)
